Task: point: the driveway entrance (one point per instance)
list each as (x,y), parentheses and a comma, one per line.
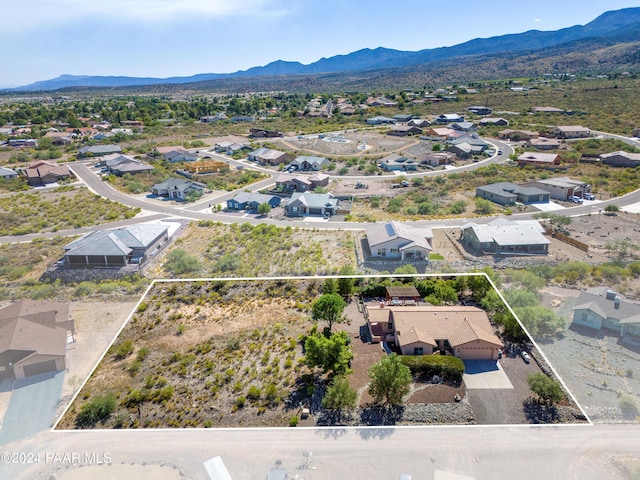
(33,406)
(485,374)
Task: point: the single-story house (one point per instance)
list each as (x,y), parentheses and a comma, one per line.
(252,200)
(8,173)
(397,240)
(99,150)
(177,188)
(395,162)
(402,295)
(480,110)
(464,332)
(268,156)
(59,138)
(517,135)
(307,203)
(237,147)
(506,193)
(404,130)
(464,150)
(621,159)
(222,146)
(561,188)
(505,237)
(121,164)
(309,163)
(43,172)
(489,121)
(449,118)
(178,156)
(602,308)
(33,338)
(213,118)
(288,182)
(381,102)
(262,133)
(380,120)
(23,142)
(403,117)
(543,143)
(571,131)
(537,159)
(464,126)
(435,159)
(438,133)
(132,245)
(419,122)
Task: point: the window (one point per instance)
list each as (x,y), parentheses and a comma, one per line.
(417,351)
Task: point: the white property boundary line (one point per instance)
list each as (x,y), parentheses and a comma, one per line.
(320,277)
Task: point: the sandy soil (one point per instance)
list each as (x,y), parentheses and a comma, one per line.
(96,324)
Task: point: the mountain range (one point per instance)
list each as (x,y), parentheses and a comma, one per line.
(609,28)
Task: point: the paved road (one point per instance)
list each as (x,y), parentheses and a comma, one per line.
(202,211)
(523,453)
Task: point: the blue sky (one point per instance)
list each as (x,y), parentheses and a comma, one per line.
(160,38)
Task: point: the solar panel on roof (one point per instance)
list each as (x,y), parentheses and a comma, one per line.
(390,231)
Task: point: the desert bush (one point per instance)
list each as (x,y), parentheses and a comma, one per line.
(97,410)
(426,366)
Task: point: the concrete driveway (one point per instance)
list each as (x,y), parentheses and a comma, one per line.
(485,374)
(32,407)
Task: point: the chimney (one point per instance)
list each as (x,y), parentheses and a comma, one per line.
(616,302)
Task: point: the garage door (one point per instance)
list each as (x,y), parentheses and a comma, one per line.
(40,368)
(476,353)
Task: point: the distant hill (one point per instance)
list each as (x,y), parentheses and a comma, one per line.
(618,26)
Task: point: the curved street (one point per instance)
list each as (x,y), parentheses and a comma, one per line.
(202,211)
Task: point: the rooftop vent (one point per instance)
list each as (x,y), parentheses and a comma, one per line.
(611,294)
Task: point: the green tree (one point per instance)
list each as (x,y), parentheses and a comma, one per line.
(339,394)
(328,308)
(390,380)
(547,390)
(345,285)
(330,285)
(264,209)
(332,354)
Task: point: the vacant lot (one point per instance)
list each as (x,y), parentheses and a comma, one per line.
(63,208)
(243,250)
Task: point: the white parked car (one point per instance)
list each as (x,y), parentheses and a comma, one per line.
(525,356)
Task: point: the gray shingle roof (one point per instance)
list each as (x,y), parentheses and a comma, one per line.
(595,300)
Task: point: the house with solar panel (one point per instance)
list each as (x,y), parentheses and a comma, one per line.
(394,240)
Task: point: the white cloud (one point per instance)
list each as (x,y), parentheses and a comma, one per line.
(537,20)
(20,16)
